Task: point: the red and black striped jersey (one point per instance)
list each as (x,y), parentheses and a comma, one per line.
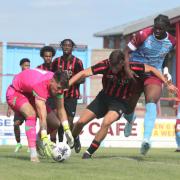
(72,67)
(118,85)
(47,67)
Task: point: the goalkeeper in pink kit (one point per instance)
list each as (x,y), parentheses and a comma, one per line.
(28,94)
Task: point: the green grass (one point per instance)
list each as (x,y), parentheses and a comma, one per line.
(107,164)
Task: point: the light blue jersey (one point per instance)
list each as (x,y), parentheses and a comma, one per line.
(149,50)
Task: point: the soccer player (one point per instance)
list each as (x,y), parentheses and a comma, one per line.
(116,96)
(19,119)
(72,65)
(149,46)
(47,53)
(27,95)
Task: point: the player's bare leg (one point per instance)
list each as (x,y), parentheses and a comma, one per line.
(109,118)
(86,117)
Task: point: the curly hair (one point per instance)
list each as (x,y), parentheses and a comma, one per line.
(47,49)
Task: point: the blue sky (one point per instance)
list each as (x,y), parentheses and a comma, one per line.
(50,21)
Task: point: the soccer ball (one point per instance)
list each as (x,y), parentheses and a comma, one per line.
(61,152)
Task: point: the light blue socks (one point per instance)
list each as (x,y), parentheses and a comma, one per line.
(149,120)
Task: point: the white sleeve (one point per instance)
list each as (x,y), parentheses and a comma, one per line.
(167,74)
(131,46)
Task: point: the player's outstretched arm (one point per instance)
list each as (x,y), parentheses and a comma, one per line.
(61,112)
(81,75)
(42,114)
(170,86)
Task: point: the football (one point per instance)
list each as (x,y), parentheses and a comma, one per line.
(61,151)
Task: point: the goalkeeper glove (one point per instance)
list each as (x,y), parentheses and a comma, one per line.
(48,145)
(69,138)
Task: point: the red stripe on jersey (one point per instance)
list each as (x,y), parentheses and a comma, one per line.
(58,63)
(81,65)
(112,88)
(124,93)
(137,68)
(63,65)
(73,64)
(77,93)
(68,64)
(73,88)
(106,83)
(118,91)
(99,69)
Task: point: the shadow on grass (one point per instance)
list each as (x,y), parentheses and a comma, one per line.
(15,156)
(135,158)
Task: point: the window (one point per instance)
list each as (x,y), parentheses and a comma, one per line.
(111,43)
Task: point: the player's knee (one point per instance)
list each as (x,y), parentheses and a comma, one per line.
(151,100)
(106,124)
(80,123)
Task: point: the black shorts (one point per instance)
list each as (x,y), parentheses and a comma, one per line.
(70,105)
(104,103)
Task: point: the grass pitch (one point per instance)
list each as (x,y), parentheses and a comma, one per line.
(106,164)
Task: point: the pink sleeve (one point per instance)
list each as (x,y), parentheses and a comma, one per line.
(138,38)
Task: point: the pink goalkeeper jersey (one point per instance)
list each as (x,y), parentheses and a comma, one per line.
(36,80)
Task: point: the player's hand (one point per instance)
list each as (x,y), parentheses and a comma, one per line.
(131,74)
(172,89)
(69,138)
(48,145)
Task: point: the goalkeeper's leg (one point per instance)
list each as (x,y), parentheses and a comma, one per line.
(30,127)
